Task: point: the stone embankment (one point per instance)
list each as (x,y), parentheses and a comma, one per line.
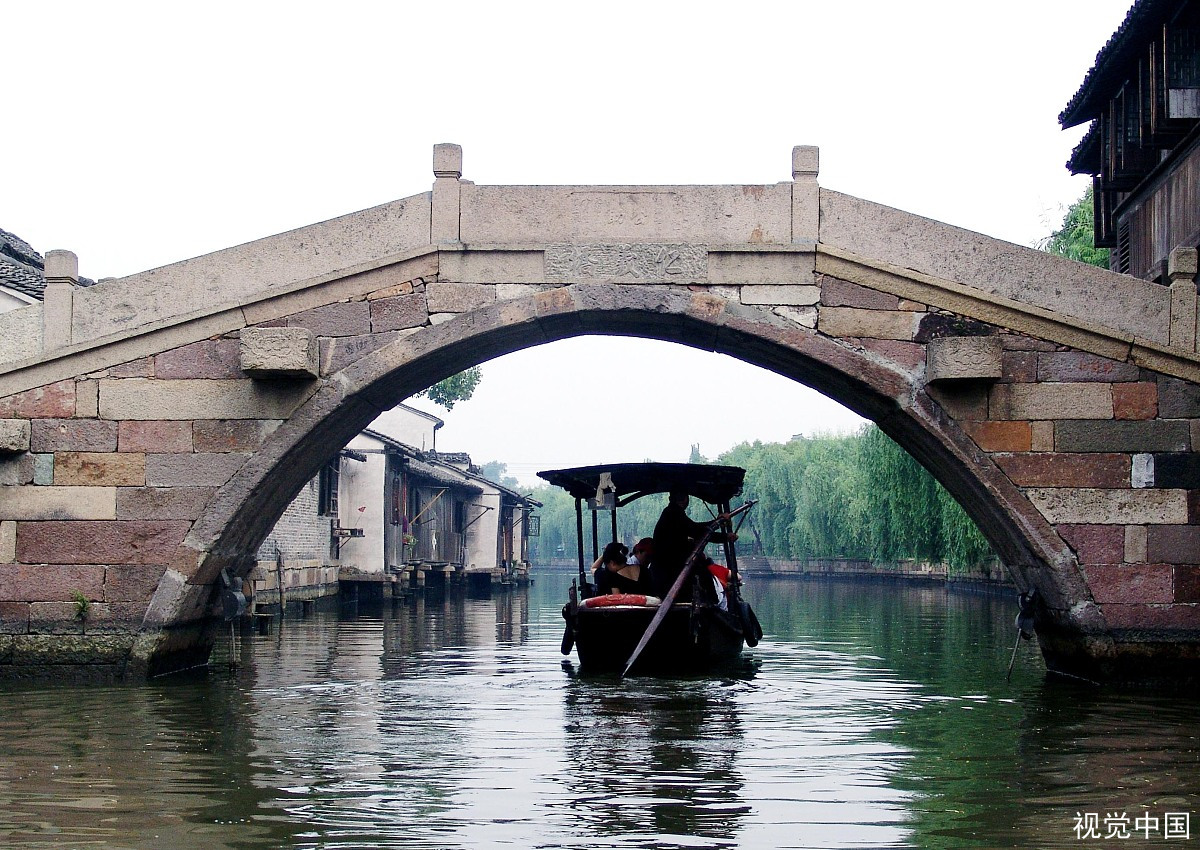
(982,577)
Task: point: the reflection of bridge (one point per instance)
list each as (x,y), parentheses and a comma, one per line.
(156,425)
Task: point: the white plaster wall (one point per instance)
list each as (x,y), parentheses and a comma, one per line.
(20,332)
(363,484)
(408,426)
(10,300)
(482,536)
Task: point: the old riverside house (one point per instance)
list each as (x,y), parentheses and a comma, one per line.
(1143,147)
(388,513)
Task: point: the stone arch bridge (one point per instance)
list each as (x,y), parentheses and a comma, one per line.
(153,427)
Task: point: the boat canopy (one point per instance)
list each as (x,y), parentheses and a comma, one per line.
(712,484)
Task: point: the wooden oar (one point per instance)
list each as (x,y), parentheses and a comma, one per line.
(667,602)
(669,599)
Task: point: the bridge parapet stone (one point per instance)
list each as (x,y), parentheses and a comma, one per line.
(1181,272)
(447,172)
(806,198)
(62,278)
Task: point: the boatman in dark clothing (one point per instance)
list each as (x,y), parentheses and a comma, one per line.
(675,536)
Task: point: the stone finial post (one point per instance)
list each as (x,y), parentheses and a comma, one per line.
(806,201)
(62,276)
(1181,272)
(447,172)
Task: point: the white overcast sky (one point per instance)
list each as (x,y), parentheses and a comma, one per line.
(139,134)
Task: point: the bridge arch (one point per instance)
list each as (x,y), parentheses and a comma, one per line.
(243,511)
(156,426)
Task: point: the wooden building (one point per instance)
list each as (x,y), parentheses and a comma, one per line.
(1142,98)
(384,512)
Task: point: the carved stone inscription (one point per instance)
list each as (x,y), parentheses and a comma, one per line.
(959,357)
(627,261)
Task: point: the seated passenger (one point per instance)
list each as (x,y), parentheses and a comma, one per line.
(612,573)
(721,576)
(641,553)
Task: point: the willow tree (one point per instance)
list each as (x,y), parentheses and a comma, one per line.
(1076,238)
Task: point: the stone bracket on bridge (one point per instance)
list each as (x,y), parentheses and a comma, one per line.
(279,353)
(957,358)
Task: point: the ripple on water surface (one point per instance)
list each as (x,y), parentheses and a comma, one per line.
(873,717)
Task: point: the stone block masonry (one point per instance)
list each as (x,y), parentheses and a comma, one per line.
(149,440)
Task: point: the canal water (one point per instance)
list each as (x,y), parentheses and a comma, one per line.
(870,716)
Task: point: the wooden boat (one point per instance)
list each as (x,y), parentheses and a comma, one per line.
(643,634)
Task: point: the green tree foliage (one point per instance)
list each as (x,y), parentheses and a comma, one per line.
(454,389)
(853,496)
(1077,236)
(495,471)
(825,496)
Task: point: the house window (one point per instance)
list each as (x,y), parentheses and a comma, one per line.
(460,516)
(1121,260)
(327,488)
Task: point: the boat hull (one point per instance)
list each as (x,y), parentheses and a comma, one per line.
(688,640)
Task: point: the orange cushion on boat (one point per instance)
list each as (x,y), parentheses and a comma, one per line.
(636,600)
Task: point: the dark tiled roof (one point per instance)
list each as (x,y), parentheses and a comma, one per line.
(1141,24)
(23,269)
(1085,159)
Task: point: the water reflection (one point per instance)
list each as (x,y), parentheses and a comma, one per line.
(869,717)
(654,759)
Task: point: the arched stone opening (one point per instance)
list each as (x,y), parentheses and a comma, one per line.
(241,514)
